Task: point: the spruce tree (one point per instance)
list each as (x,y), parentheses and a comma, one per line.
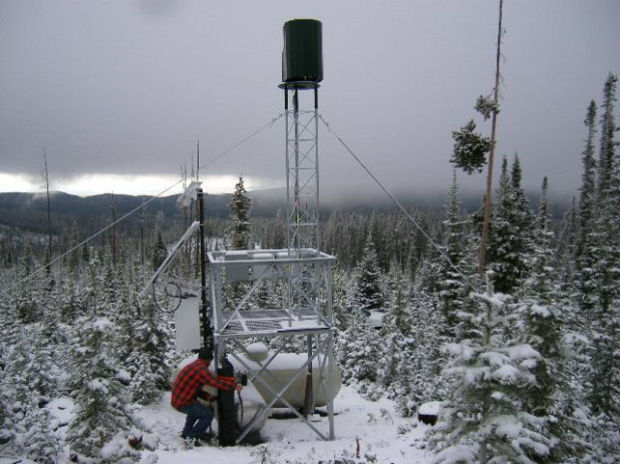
(39,442)
(102,418)
(27,301)
(240,205)
(398,347)
(485,418)
(607,146)
(451,286)
(160,252)
(605,376)
(566,250)
(358,352)
(368,293)
(587,242)
(146,362)
(541,328)
(509,241)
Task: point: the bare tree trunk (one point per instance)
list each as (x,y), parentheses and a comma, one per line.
(49,215)
(483,452)
(113,231)
(142,237)
(487,204)
(197,254)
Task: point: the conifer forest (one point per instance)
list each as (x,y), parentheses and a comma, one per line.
(524,358)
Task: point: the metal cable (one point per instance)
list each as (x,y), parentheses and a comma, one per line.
(397,203)
(143,204)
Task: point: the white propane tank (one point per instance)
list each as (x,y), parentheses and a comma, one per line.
(284,367)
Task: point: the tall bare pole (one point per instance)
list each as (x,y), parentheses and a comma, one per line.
(49,215)
(142,237)
(487,204)
(198,237)
(198,158)
(114,244)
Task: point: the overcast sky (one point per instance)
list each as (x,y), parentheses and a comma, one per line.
(117,92)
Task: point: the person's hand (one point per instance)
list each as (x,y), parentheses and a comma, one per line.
(239,387)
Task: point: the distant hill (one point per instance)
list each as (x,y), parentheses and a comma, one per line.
(28,210)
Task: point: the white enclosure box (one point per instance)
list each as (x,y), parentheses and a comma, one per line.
(187,321)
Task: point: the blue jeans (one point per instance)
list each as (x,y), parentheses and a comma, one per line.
(198,420)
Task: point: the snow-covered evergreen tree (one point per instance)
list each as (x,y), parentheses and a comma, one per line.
(102,418)
(509,241)
(368,293)
(359,353)
(240,205)
(147,362)
(566,249)
(340,297)
(452,287)
(398,347)
(160,252)
(27,300)
(485,418)
(604,381)
(541,327)
(38,442)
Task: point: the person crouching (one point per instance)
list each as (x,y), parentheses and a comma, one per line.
(188,387)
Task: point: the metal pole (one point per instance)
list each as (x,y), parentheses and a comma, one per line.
(288,174)
(308,393)
(207,332)
(331,366)
(316,165)
(296,205)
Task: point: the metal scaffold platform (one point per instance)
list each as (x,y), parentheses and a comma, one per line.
(309,316)
(312,311)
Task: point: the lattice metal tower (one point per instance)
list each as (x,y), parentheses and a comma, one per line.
(302,70)
(302,169)
(307,311)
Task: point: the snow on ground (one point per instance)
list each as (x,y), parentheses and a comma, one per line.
(374,425)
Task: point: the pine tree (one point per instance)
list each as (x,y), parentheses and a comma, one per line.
(240,205)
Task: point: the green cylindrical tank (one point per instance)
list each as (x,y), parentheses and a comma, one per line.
(302,56)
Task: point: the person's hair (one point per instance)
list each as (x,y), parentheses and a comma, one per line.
(205,354)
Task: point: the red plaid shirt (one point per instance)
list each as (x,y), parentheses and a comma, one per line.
(191,379)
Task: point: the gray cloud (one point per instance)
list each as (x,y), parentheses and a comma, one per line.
(126,87)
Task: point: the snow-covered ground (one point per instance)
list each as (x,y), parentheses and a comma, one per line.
(374,425)
(366,432)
